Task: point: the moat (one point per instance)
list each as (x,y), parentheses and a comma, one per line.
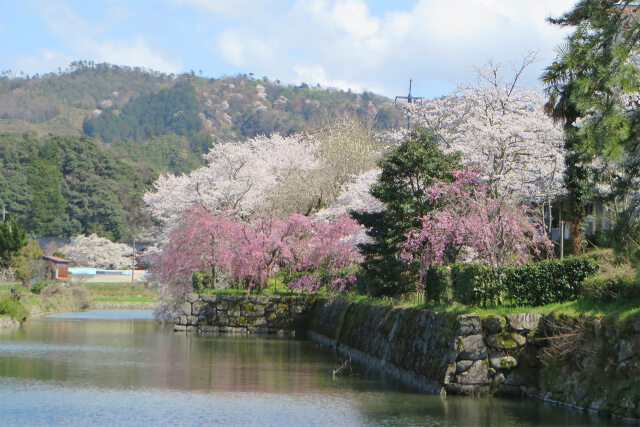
(123,368)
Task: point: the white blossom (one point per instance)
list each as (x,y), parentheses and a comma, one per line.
(503,128)
(98,252)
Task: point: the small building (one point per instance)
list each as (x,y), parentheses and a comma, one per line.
(55,268)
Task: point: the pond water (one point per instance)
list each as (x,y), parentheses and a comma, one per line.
(122,368)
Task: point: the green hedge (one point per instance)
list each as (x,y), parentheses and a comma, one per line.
(548,282)
(531,284)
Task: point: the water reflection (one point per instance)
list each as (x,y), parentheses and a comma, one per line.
(97,369)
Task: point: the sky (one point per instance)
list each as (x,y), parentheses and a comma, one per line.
(374,45)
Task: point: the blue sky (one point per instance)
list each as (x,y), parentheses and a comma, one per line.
(362,45)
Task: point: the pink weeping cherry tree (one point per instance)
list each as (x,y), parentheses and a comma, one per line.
(249,252)
(469,217)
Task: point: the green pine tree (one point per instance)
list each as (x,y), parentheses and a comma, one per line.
(586,86)
(407,172)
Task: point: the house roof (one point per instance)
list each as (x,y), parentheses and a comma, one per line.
(56,259)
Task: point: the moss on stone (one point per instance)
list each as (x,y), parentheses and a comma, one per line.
(507,364)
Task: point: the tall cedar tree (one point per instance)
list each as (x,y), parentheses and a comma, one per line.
(407,172)
(586,85)
(12,239)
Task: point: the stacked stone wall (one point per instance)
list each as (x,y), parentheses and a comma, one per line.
(577,361)
(243,314)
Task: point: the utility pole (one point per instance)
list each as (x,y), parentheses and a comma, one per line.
(410,100)
(133,260)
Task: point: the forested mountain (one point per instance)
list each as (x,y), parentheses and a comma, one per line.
(67,185)
(80,145)
(229,107)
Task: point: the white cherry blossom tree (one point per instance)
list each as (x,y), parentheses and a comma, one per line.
(501,126)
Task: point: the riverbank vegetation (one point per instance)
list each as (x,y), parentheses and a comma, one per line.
(47,296)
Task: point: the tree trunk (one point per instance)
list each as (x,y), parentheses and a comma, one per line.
(576,238)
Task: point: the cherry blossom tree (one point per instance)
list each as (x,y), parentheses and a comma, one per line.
(300,173)
(248,252)
(502,126)
(470,216)
(354,196)
(242,177)
(98,252)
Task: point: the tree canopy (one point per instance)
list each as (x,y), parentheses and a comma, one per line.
(589,85)
(406,173)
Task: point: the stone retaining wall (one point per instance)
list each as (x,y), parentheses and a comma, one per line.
(588,364)
(243,314)
(439,352)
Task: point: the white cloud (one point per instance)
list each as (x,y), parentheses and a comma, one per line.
(341,43)
(132,52)
(236,8)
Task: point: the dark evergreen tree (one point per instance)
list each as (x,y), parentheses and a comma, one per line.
(12,239)
(407,172)
(587,84)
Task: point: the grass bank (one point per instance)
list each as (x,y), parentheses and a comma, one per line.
(17,302)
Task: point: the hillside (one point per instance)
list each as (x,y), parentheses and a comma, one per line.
(78,147)
(67,185)
(226,105)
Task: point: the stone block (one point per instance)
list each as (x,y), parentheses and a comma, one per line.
(625,350)
(498,361)
(234,310)
(271,306)
(196,307)
(191,297)
(182,320)
(253,310)
(506,341)
(280,310)
(259,299)
(185,308)
(523,321)
(469,325)
(471,347)
(179,328)
(192,320)
(222,319)
(463,365)
(477,374)
(450,373)
(297,310)
(210,298)
(494,324)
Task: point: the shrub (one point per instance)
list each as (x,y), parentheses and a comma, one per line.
(54,289)
(81,296)
(531,284)
(621,286)
(437,284)
(613,281)
(17,292)
(475,284)
(37,287)
(202,280)
(12,308)
(549,281)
